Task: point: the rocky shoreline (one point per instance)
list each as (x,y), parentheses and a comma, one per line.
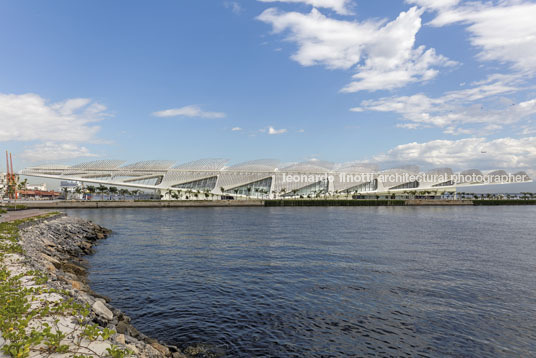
(56,246)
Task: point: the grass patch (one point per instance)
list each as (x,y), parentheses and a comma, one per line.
(14,207)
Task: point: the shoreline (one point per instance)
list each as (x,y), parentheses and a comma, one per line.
(117,204)
(47,263)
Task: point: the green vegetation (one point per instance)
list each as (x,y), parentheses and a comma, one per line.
(335,202)
(116,352)
(19,305)
(14,207)
(504,202)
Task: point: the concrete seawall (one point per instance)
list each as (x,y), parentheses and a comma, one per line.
(140,204)
(421,202)
(89,204)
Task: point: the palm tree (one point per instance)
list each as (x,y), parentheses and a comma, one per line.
(91,189)
(113,191)
(123,192)
(64,191)
(23,184)
(101,189)
(78,191)
(169,193)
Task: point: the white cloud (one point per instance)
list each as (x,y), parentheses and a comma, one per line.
(29,117)
(236,129)
(301,130)
(188,111)
(53,151)
(481,109)
(434,4)
(339,6)
(272,130)
(503,153)
(382,53)
(504,31)
(234,6)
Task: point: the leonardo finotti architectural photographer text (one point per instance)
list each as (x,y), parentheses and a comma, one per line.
(406,178)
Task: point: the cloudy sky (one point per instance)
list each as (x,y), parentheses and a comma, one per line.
(425,82)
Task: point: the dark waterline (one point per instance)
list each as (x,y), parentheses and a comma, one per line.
(325,282)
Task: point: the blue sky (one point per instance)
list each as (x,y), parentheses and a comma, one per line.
(433,83)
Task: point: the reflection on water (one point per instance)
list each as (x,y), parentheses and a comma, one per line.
(325,282)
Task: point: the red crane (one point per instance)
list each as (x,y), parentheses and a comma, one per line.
(10,176)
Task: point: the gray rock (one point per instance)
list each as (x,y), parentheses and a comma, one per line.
(128,330)
(102,311)
(162,349)
(120,339)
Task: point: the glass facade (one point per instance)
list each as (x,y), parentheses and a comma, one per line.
(257,188)
(369,186)
(312,189)
(410,185)
(199,185)
(446,183)
(145,181)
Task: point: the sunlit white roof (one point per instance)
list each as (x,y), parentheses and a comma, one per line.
(204,164)
(150,164)
(99,164)
(261,165)
(309,167)
(355,167)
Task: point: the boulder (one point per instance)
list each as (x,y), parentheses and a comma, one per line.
(120,339)
(162,349)
(101,310)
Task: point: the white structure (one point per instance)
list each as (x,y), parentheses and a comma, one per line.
(268,178)
(40,187)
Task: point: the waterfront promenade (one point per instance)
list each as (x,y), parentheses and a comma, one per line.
(90,204)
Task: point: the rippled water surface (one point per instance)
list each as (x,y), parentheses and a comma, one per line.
(325,282)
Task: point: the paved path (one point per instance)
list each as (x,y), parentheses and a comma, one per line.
(21,214)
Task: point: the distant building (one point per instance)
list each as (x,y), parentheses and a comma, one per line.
(38,194)
(40,187)
(69,189)
(269,178)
